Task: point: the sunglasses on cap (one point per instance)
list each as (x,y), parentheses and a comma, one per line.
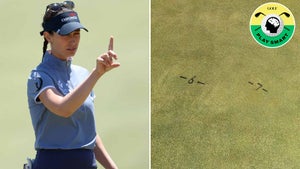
(56,7)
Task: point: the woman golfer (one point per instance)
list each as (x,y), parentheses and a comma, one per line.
(60,97)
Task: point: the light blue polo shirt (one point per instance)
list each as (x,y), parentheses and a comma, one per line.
(53,131)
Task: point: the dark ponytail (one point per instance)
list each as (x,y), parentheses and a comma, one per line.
(48,15)
(45,46)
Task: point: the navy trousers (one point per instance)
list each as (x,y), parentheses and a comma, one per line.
(65,159)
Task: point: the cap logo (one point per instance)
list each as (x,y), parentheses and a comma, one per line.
(72,16)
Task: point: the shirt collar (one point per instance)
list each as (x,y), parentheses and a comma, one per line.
(55,62)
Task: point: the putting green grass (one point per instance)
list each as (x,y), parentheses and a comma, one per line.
(219,99)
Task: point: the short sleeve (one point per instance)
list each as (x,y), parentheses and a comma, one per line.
(92,95)
(37,83)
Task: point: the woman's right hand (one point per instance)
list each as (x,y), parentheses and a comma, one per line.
(105,62)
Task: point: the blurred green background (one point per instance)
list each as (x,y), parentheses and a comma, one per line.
(122,103)
(227,122)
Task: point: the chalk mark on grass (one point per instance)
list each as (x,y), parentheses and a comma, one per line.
(259,86)
(192,80)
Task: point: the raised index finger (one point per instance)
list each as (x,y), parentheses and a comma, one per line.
(111,43)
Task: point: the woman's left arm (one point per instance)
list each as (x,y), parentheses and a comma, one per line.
(102,155)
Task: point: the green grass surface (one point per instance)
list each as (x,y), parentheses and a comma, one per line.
(224,123)
(122,103)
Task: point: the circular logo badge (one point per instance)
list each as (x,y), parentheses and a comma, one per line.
(272,25)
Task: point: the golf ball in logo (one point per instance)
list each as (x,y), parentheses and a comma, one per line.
(272,25)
